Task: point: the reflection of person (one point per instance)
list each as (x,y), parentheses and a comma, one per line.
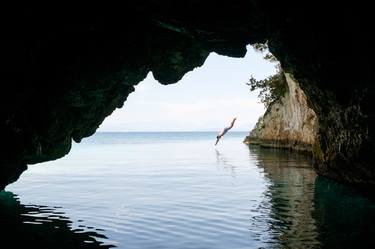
(225,130)
(223,162)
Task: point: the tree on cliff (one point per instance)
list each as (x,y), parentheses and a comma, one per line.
(273,87)
(263,48)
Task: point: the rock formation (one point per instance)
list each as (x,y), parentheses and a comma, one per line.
(65,68)
(288,122)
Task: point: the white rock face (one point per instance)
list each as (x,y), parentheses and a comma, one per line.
(287,123)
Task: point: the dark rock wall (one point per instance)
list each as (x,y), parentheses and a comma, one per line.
(65,68)
(333,65)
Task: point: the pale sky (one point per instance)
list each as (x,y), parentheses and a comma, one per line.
(205,99)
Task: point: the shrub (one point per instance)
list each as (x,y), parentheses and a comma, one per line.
(273,87)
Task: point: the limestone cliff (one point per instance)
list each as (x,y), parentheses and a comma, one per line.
(288,123)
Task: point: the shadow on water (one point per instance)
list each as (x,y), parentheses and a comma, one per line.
(308,211)
(346,218)
(30,226)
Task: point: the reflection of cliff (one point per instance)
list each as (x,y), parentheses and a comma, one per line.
(40,227)
(308,211)
(288,122)
(290,195)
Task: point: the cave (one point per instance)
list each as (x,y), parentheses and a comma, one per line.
(64,69)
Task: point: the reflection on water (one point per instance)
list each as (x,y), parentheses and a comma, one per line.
(345,218)
(308,211)
(289,197)
(24,226)
(225,163)
(174,190)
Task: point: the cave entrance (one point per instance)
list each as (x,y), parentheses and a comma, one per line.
(203,100)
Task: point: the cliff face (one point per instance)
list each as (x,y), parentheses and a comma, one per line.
(63,70)
(288,122)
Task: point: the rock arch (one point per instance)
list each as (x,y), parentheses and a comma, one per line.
(63,70)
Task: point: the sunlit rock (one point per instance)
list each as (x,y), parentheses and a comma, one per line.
(288,123)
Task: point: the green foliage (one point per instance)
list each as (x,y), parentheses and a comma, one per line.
(260,47)
(263,47)
(271,88)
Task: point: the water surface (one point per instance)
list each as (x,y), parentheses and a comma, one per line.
(177,190)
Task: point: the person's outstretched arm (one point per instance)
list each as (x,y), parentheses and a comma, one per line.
(217,140)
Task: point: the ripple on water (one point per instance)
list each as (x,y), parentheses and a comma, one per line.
(41,227)
(137,193)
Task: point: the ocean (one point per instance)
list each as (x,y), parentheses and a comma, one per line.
(178,190)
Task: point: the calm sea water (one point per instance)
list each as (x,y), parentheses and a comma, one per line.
(177,190)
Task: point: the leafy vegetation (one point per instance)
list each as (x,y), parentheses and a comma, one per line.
(273,87)
(262,48)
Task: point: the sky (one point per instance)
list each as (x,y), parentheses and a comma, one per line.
(205,99)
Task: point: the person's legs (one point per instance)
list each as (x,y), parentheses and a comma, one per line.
(226,129)
(231,124)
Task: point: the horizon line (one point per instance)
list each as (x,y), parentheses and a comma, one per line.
(169,131)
